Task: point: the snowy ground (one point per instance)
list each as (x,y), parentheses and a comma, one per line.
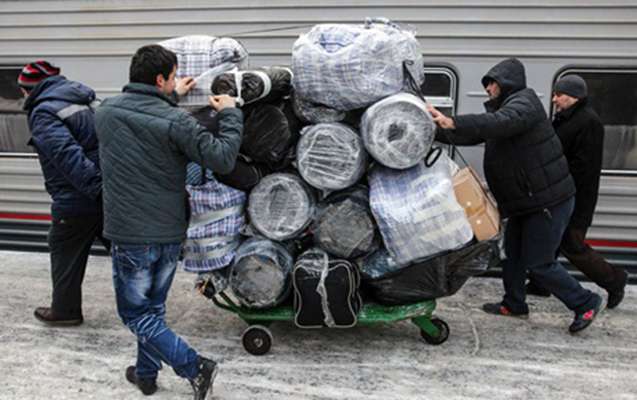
(486,357)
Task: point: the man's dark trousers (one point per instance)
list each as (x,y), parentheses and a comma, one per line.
(531,242)
(70,241)
(590,262)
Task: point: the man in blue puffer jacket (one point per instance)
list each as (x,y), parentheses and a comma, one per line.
(63,133)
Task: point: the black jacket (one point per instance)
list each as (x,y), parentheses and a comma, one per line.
(523,160)
(61,120)
(582,135)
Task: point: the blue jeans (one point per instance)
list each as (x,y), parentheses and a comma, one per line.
(531,242)
(142,276)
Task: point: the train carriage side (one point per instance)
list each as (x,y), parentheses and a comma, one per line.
(461,39)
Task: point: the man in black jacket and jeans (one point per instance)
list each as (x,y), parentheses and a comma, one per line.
(528,175)
(581,133)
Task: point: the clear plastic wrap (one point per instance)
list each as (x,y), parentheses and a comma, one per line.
(260,274)
(265,85)
(346,67)
(398,131)
(344,226)
(330,156)
(431,278)
(281,206)
(416,210)
(203,58)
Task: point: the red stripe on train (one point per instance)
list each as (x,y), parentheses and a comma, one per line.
(612,243)
(32,217)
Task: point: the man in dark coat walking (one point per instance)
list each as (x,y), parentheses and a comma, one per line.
(528,175)
(581,133)
(61,121)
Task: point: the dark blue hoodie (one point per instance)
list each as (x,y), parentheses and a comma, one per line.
(62,127)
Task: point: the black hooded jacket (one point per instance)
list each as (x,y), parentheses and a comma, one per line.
(582,135)
(523,161)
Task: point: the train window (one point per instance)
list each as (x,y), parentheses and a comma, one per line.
(439,88)
(613,94)
(14,131)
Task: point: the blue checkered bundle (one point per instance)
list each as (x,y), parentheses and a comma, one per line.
(347,67)
(416,210)
(217,217)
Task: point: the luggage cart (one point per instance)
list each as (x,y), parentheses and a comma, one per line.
(257,338)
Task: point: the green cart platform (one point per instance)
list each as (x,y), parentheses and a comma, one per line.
(257,338)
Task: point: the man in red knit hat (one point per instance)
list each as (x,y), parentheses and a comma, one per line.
(60,116)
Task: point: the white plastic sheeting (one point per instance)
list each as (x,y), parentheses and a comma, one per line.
(416,210)
(281,206)
(260,275)
(398,131)
(347,67)
(330,156)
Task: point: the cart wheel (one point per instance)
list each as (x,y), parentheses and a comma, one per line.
(257,340)
(442,337)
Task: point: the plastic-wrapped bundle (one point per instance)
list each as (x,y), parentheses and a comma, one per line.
(345,226)
(315,113)
(260,274)
(264,85)
(216,220)
(431,278)
(281,206)
(398,131)
(416,210)
(267,136)
(330,156)
(204,57)
(352,66)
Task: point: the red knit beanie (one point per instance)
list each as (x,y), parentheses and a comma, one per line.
(35,72)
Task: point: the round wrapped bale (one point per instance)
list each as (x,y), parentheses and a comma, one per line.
(398,131)
(260,275)
(330,156)
(281,206)
(345,226)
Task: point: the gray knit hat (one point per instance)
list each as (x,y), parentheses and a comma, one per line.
(572,85)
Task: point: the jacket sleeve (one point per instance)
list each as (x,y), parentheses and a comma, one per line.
(52,138)
(515,117)
(217,152)
(449,136)
(586,161)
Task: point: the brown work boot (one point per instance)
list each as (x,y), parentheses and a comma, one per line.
(49,317)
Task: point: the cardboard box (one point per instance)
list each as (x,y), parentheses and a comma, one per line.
(480,208)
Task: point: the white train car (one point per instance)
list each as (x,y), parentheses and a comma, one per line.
(92,41)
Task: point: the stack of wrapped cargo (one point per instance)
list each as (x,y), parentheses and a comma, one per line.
(340,141)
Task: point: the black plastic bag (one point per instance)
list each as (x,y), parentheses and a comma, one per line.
(264,85)
(267,137)
(432,278)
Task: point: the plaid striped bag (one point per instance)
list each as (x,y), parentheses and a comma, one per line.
(347,67)
(416,210)
(216,219)
(203,58)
